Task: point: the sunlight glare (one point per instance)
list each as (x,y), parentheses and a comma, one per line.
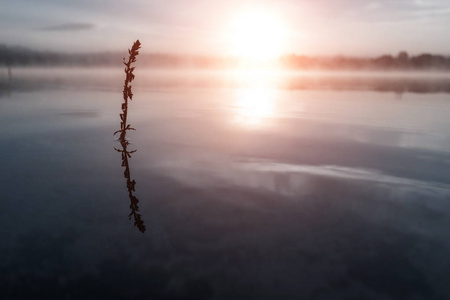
(257,35)
(254,104)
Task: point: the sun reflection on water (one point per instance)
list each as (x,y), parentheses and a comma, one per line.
(255,101)
(254,105)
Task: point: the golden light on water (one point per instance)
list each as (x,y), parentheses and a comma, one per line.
(256,35)
(255,101)
(254,105)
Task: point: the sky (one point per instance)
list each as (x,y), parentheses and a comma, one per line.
(313,27)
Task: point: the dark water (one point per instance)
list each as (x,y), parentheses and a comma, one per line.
(294,187)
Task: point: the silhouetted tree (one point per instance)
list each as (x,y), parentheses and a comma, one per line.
(403,60)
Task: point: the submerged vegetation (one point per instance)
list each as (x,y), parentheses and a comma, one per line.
(124,127)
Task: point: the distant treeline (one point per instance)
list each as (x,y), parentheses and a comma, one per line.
(17,56)
(402,61)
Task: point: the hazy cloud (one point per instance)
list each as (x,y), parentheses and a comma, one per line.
(70,27)
(202,26)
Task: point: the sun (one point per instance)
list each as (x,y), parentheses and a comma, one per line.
(257,35)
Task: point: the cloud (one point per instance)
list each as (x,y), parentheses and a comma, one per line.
(70,27)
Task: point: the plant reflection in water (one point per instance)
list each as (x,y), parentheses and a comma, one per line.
(134,201)
(124,127)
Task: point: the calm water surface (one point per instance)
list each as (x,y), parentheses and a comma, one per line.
(250,186)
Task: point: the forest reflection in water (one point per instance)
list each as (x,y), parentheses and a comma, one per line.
(392,82)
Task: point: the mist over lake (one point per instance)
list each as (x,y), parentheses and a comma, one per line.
(251,185)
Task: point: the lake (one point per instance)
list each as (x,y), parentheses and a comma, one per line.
(250,185)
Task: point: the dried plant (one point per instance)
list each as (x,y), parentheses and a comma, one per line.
(134,201)
(127,94)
